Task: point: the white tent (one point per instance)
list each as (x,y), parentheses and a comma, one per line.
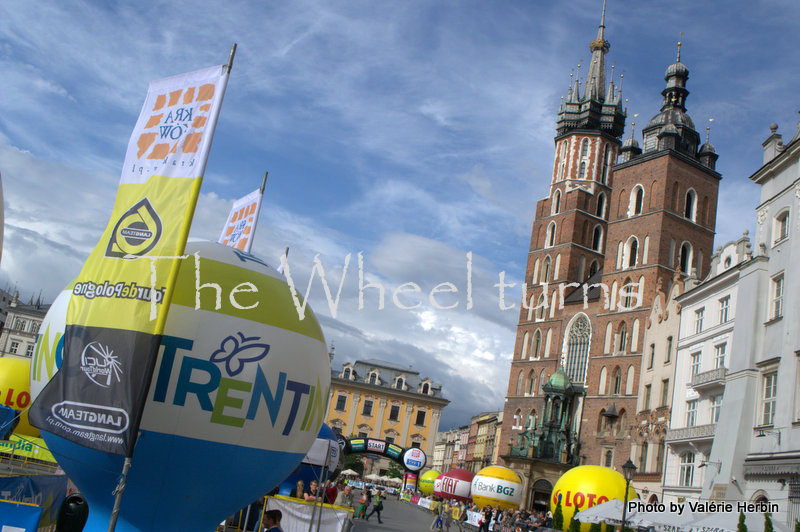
(373,476)
(349,472)
(723,521)
(597,514)
(660,520)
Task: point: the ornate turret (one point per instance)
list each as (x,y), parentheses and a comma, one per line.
(596,107)
(672,128)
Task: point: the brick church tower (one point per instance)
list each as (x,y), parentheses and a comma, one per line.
(619,223)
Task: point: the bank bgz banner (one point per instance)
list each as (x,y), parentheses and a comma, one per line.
(119,300)
(240,227)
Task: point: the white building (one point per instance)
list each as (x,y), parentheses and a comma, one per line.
(705,344)
(756,452)
(22,323)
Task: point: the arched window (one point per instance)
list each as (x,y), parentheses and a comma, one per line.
(638,200)
(518,418)
(622,342)
(550,236)
(632,252)
(609,458)
(606,164)
(520,381)
(542,381)
(562,160)
(578,348)
(400,383)
(531,383)
(691,205)
(601,388)
(622,422)
(425,388)
(537,345)
(541,306)
(686,257)
(582,171)
(781,229)
(585,148)
(593,268)
(597,238)
(629,381)
(556,205)
(524,351)
(545,273)
(600,211)
(373,378)
(616,381)
(601,421)
(346,373)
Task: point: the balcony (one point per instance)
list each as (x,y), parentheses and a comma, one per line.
(699,432)
(709,380)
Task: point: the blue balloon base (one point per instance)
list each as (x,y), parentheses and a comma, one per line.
(174,483)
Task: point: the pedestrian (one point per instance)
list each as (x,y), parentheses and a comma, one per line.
(345,498)
(377,505)
(487,518)
(437,523)
(462,516)
(272,521)
(447,515)
(362,505)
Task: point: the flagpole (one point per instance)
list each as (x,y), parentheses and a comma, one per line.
(126,465)
(258,214)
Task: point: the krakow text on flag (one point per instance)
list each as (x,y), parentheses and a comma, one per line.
(240,228)
(117,311)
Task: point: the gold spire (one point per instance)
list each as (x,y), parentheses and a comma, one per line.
(679,50)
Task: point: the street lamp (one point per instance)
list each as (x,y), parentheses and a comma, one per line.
(628,470)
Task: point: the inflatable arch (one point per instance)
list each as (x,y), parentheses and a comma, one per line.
(412,459)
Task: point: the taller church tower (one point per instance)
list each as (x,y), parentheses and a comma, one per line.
(618,222)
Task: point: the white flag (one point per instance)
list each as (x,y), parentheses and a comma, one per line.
(240,228)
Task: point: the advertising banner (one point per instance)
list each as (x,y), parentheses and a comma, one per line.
(45,493)
(119,301)
(18,516)
(26,447)
(240,227)
(297,515)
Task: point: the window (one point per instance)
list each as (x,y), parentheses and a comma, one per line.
(687,470)
(373,378)
(643,458)
(669,350)
(578,348)
(425,388)
(665,392)
(623,338)
(660,457)
(394,413)
(597,238)
(550,238)
(367,410)
(685,257)
(400,383)
(562,160)
(593,267)
(13,348)
(420,418)
(617,382)
(716,407)
(556,207)
(769,395)
(600,212)
(691,413)
(416,444)
(606,164)
(346,373)
(652,356)
(719,356)
(637,198)
(389,439)
(609,458)
(545,270)
(363,434)
(724,307)
(698,320)
(582,171)
(29,350)
(781,226)
(647,390)
(777,296)
(691,200)
(585,148)
(694,364)
(341,402)
(537,344)
(632,251)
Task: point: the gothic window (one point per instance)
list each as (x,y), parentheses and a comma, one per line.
(373,378)
(622,422)
(600,212)
(542,381)
(425,388)
(537,344)
(685,259)
(627,298)
(562,160)
(597,238)
(400,383)
(609,458)
(593,268)
(531,383)
(631,252)
(616,381)
(606,164)
(524,350)
(582,171)
(346,373)
(578,348)
(556,204)
(545,273)
(520,380)
(643,458)
(541,304)
(622,341)
(638,200)
(550,236)
(585,148)
(601,389)
(690,206)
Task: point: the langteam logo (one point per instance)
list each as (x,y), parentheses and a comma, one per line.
(136,233)
(99,363)
(91,417)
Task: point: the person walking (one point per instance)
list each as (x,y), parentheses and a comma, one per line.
(447,515)
(377,506)
(462,516)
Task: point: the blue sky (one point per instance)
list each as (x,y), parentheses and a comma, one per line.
(413,132)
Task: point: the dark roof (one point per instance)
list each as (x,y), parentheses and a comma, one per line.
(576,296)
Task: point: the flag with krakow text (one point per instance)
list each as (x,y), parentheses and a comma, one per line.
(119,301)
(240,228)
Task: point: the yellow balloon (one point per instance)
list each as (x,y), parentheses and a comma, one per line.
(497,486)
(15,391)
(585,486)
(426,481)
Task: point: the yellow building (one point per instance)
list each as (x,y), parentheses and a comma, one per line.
(378,399)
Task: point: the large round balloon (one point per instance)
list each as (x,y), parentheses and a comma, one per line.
(236,399)
(585,486)
(426,481)
(497,486)
(455,484)
(15,391)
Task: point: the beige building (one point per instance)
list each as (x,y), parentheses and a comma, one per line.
(378,399)
(22,323)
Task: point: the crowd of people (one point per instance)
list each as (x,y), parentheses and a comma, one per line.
(452,513)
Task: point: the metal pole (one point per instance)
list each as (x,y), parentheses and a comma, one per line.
(625,504)
(229,65)
(258,214)
(246,518)
(118,491)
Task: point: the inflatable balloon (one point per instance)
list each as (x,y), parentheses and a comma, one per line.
(497,486)
(426,481)
(236,399)
(455,484)
(585,486)
(15,391)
